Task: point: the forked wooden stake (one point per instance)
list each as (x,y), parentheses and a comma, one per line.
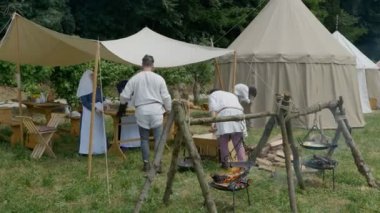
(287,152)
(157,160)
(184,127)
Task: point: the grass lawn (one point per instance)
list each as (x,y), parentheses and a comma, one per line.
(61,184)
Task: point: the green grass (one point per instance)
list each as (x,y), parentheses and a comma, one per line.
(62,185)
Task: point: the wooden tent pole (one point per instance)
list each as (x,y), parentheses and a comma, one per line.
(218,72)
(18,79)
(94,85)
(234,72)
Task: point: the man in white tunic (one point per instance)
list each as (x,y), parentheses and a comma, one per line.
(84,92)
(223,103)
(151,99)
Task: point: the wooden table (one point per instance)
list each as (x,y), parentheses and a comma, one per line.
(115,146)
(43,108)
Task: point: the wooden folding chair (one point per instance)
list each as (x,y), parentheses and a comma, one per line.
(43,134)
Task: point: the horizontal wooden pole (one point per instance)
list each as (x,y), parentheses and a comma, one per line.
(313,109)
(209,120)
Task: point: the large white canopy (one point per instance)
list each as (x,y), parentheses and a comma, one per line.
(26,42)
(167,52)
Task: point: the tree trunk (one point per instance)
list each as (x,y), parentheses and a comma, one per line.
(185,129)
(196,92)
(157,159)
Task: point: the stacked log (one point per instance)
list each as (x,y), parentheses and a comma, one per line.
(272,156)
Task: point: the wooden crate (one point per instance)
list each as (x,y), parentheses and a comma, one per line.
(207,145)
(75,126)
(6,118)
(373,103)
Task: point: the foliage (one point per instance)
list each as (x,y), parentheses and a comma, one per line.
(65,82)
(174,76)
(65,79)
(112,73)
(7,71)
(53,14)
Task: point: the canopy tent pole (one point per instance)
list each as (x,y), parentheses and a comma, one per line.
(234,71)
(94,85)
(217,68)
(18,79)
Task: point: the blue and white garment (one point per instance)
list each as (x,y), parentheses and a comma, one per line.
(99,135)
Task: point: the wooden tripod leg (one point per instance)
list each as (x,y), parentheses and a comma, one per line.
(296,158)
(264,138)
(287,152)
(184,128)
(173,168)
(358,158)
(334,142)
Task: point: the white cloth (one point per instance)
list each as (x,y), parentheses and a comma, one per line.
(85,84)
(150,94)
(150,121)
(99,134)
(226,104)
(242,91)
(130,132)
(99,106)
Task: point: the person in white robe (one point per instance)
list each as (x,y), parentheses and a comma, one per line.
(222,103)
(84,93)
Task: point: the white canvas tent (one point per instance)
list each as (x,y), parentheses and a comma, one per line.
(167,52)
(286,49)
(363,66)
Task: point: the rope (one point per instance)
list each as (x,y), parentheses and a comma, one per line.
(5,26)
(104,129)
